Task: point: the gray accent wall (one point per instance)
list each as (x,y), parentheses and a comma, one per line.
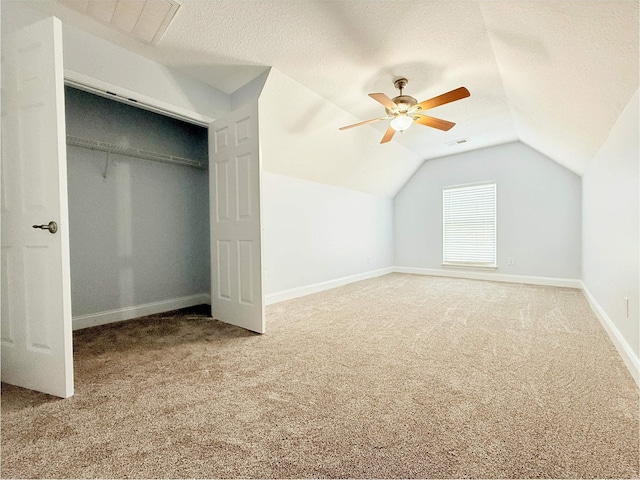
(538,211)
(140,235)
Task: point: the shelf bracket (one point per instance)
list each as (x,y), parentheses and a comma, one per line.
(106,166)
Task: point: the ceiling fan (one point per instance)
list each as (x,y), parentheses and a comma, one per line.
(403,110)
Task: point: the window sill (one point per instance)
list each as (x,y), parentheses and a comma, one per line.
(471,265)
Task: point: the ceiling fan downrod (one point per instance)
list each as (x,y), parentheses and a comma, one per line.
(400,84)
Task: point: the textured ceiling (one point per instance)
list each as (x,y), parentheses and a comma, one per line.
(555,74)
(569,68)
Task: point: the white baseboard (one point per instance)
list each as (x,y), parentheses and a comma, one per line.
(127,313)
(283,295)
(624,349)
(319,287)
(494,277)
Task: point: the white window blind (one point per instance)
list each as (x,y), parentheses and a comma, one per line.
(469,224)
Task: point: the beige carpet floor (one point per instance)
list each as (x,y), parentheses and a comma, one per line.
(400,376)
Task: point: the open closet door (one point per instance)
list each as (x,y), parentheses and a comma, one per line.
(236,247)
(35,329)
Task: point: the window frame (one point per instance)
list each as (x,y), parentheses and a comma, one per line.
(471,263)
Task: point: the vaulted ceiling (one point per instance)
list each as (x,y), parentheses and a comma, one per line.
(555,74)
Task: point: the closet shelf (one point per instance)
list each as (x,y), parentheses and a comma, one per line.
(134,152)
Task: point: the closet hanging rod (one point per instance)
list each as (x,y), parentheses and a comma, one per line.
(134,152)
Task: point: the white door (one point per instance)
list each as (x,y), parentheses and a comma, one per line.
(236,247)
(35,327)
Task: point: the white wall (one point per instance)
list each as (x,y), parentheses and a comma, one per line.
(249,92)
(89,55)
(538,211)
(141,235)
(315,233)
(324,216)
(97,58)
(611,238)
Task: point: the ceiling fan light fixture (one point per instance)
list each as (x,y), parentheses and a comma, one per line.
(404,110)
(401,123)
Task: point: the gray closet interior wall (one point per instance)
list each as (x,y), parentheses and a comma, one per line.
(139,229)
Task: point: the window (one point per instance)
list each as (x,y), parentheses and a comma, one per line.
(469,225)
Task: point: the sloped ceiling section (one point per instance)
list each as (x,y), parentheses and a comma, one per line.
(345,49)
(569,68)
(554,74)
(301,142)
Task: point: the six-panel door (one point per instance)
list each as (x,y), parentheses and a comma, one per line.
(236,249)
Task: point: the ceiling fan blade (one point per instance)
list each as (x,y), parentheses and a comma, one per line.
(384,100)
(363,123)
(433,122)
(388,135)
(452,96)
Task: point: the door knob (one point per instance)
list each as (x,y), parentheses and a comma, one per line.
(51,226)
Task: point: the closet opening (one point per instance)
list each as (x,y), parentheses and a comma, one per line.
(138,194)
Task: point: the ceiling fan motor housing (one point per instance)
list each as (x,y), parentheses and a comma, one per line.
(404,103)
